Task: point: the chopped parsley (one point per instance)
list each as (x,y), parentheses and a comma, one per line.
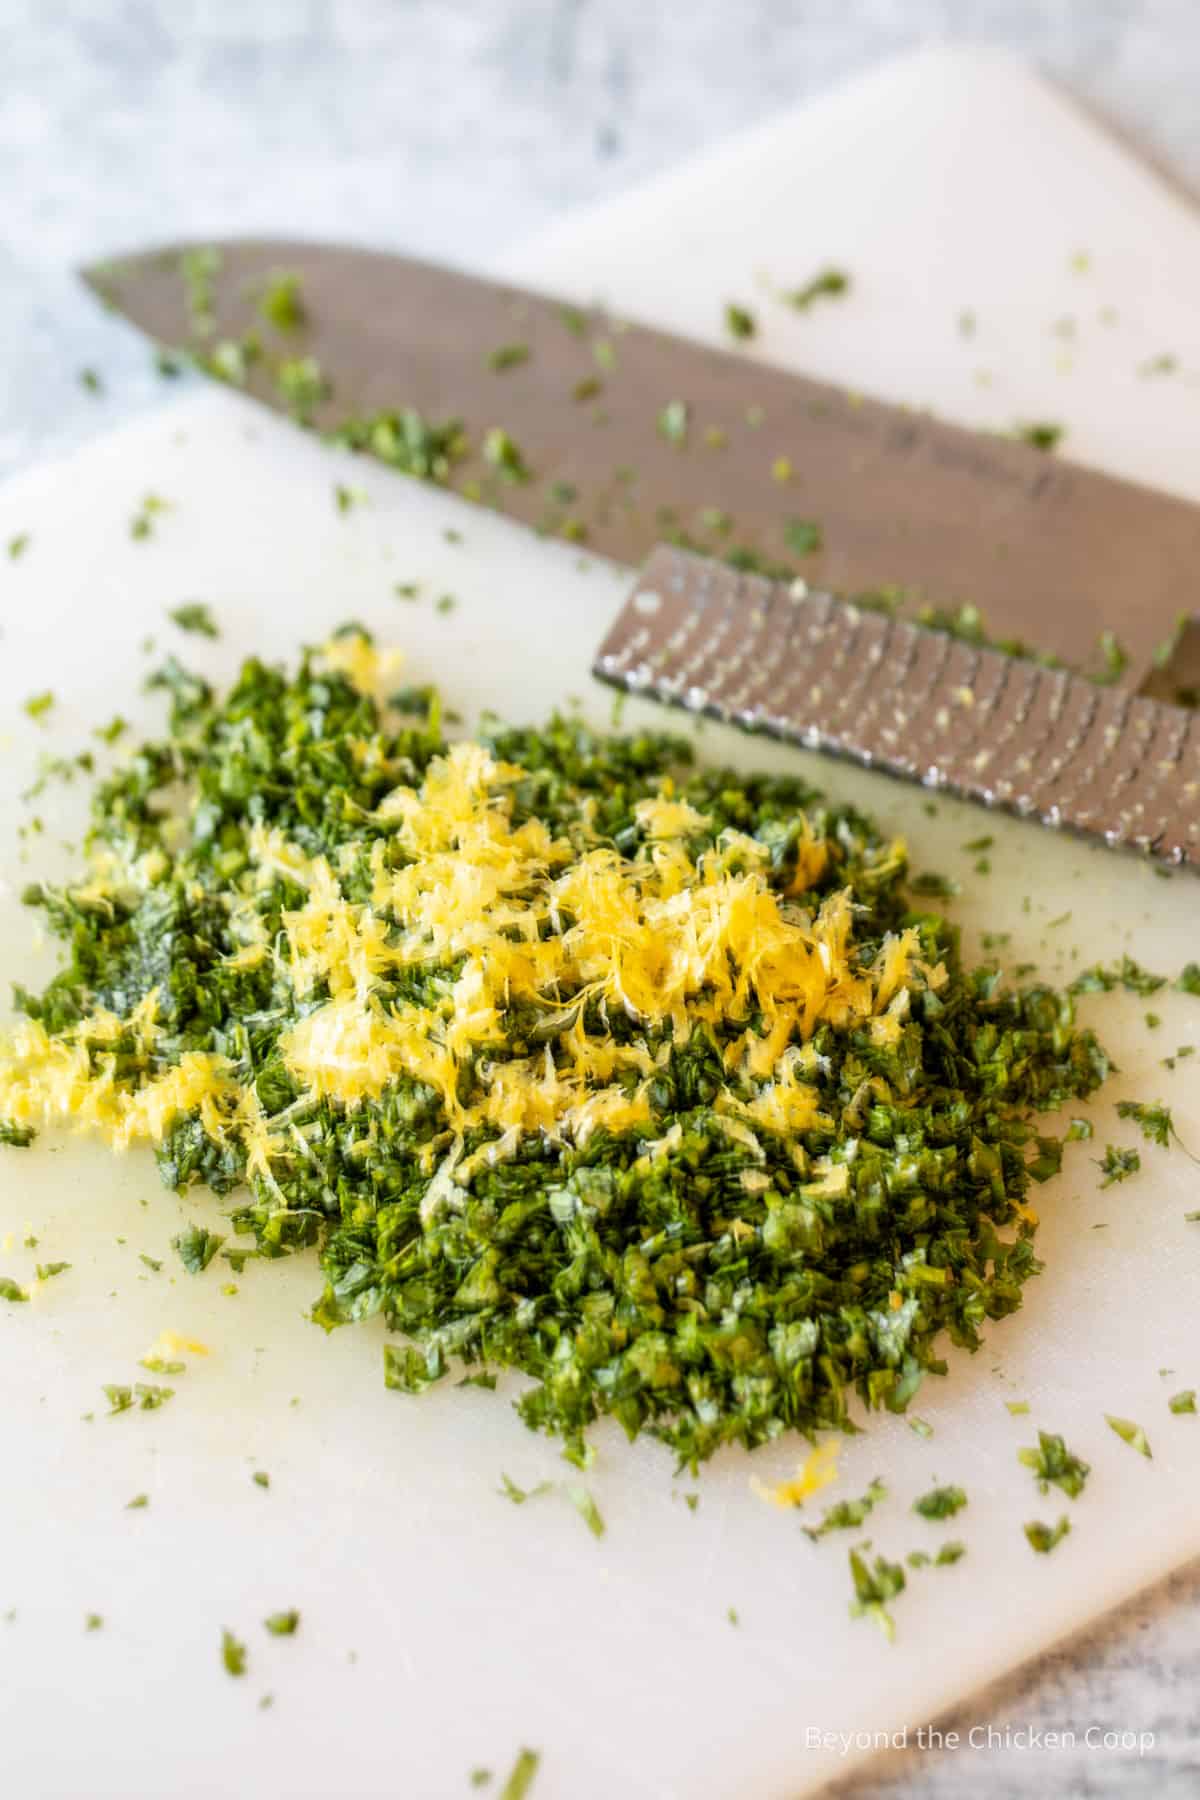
(673,422)
(38,705)
(261,1479)
(1053,1465)
(508,356)
(521,1776)
(281,303)
(1040,434)
(587,1509)
(1126,974)
(47,1271)
(1129,1433)
(847,1515)
(93,1621)
(1117,1164)
(827,284)
(196,1248)
(876,1585)
(712,1207)
(138,1503)
(803,536)
(282,1624)
(233,1654)
(1043,1538)
(519,1495)
(12,1291)
(196,617)
(739,322)
(1184,1401)
(940,1503)
(18,545)
(1189,979)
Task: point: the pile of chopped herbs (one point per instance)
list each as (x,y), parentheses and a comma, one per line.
(652,1082)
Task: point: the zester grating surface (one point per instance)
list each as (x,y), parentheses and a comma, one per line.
(825,674)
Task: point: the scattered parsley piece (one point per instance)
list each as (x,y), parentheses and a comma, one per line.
(920,1427)
(1129,1433)
(732,1615)
(803,537)
(480,1777)
(949,1554)
(587,1509)
(691,1501)
(521,1776)
(281,303)
(89,380)
(151,1262)
(673,422)
(142,524)
(874,1586)
(18,545)
(138,1503)
(120,1399)
(847,1515)
(1163,364)
(47,1271)
(1079,1130)
(1040,434)
(940,1503)
(93,1621)
(1054,1465)
(445,603)
(261,1479)
(196,1248)
(1189,979)
(1184,1401)
(1117,1164)
(38,705)
(505,456)
(974,845)
(302,386)
(1115,658)
(1017,1407)
(282,1624)
(828,284)
(519,1495)
(932,885)
(194,616)
(1043,1538)
(739,322)
(508,356)
(233,1654)
(1157,1125)
(9,1290)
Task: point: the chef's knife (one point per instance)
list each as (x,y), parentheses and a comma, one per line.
(624,438)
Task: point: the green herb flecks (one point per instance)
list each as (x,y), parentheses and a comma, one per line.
(521,1776)
(803,537)
(940,1503)
(708,1269)
(281,302)
(47,1271)
(1040,434)
(740,323)
(233,1654)
(519,1495)
(195,616)
(508,356)
(827,284)
(587,1509)
(1043,1538)
(141,526)
(1184,1401)
(196,1248)
(876,1585)
(18,545)
(12,1291)
(1053,1465)
(847,1515)
(1129,1433)
(282,1624)
(673,422)
(1117,1164)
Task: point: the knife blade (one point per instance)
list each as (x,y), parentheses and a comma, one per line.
(614,435)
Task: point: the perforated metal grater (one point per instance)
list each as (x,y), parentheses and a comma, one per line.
(919,703)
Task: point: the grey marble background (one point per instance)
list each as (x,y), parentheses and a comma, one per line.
(453,129)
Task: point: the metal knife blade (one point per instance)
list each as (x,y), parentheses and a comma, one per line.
(621,437)
(812,670)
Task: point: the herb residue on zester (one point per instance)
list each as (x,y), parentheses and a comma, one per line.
(646,1080)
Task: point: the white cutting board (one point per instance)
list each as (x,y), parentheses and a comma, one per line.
(442,1626)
